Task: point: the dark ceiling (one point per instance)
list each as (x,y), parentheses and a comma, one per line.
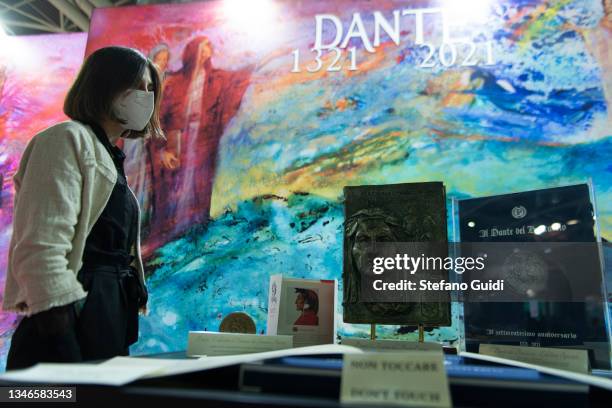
(21,17)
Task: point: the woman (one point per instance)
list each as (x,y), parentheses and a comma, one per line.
(75,269)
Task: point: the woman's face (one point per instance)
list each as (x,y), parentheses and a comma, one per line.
(146,83)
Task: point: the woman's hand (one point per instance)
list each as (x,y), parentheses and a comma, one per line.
(143,302)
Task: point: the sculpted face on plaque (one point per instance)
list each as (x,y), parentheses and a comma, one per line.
(383,220)
(366,228)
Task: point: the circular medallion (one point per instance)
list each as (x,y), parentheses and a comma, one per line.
(238,322)
(519,212)
(526,273)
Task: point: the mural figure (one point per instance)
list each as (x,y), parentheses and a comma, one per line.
(3,108)
(3,115)
(199,102)
(160,55)
(140,152)
(2,79)
(597,41)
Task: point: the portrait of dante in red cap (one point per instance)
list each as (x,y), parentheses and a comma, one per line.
(307,303)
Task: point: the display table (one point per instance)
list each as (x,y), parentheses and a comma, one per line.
(315,382)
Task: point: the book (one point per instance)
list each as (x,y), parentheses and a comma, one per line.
(302,308)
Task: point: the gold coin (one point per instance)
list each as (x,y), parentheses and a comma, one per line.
(238,322)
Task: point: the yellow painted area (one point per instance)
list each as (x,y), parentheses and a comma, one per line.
(539,20)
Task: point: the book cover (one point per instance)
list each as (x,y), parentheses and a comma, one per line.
(303,308)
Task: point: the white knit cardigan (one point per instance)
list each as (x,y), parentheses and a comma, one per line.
(64,180)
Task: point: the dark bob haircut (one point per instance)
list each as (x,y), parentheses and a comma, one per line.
(106,74)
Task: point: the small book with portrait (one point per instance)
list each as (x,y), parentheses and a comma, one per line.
(304,308)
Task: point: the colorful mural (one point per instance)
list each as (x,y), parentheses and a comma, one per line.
(506,95)
(35,74)
(266,140)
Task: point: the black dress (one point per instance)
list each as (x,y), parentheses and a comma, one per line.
(105,323)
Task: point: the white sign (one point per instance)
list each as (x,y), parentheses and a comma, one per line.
(563,359)
(201,343)
(410,378)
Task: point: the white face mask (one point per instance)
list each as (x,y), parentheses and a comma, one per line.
(135,108)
